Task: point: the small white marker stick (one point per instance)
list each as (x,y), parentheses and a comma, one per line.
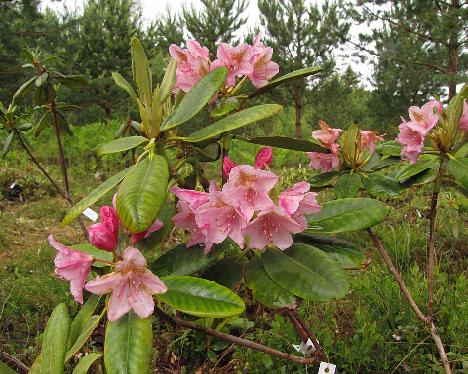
(326,368)
(91,214)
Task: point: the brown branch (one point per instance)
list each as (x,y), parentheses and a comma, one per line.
(234,339)
(22,368)
(295,319)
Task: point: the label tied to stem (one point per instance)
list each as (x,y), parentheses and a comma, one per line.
(91,214)
(305,348)
(326,368)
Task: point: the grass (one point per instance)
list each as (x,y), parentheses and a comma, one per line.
(372,330)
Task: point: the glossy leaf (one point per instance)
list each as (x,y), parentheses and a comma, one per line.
(306,271)
(234,121)
(96,252)
(7,143)
(411,170)
(347,215)
(196,99)
(55,339)
(124,85)
(284,142)
(390,148)
(85,363)
(5,369)
(201,297)
(264,289)
(226,272)
(41,79)
(378,162)
(141,71)
(128,345)
(93,196)
(424,177)
(168,81)
(24,88)
(42,123)
(458,167)
(121,145)
(343,252)
(347,185)
(156,239)
(142,193)
(80,320)
(381,185)
(322,179)
(88,329)
(297,74)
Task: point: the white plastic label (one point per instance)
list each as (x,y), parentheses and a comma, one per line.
(326,368)
(91,214)
(305,348)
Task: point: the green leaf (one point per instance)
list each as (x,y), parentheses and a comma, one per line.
(347,215)
(347,185)
(225,106)
(73,81)
(377,162)
(36,366)
(306,271)
(411,170)
(85,363)
(297,74)
(141,72)
(323,179)
(234,121)
(42,123)
(424,177)
(142,193)
(128,345)
(80,320)
(7,143)
(458,167)
(391,148)
(88,329)
(5,369)
(264,289)
(93,196)
(24,88)
(381,185)
(124,85)
(226,272)
(195,100)
(168,81)
(41,79)
(181,260)
(54,342)
(201,297)
(96,253)
(284,142)
(345,253)
(212,152)
(121,145)
(156,239)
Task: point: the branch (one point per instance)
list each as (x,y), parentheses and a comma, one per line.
(15,362)
(233,339)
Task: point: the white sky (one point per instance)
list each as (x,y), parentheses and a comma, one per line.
(153,8)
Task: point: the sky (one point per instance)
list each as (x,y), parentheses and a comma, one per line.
(153,8)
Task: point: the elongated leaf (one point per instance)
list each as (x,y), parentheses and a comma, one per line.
(5,369)
(306,271)
(96,253)
(381,185)
(122,144)
(458,167)
(88,329)
(42,123)
(7,143)
(195,100)
(142,193)
(411,170)
(284,142)
(94,196)
(378,162)
(297,74)
(156,239)
(85,363)
(168,81)
(347,215)
(264,289)
(226,272)
(80,320)
(347,185)
(141,72)
(181,260)
(391,148)
(40,80)
(225,106)
(323,179)
(36,367)
(235,121)
(73,81)
(124,85)
(200,297)
(24,88)
(54,342)
(424,177)
(128,345)
(345,253)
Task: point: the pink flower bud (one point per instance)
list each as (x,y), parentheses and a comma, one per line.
(105,235)
(228,164)
(264,158)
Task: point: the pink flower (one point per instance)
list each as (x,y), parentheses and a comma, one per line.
(368,140)
(220,220)
(412,139)
(297,201)
(263,69)
(327,136)
(247,189)
(463,124)
(272,226)
(73,266)
(185,220)
(323,161)
(105,235)
(157,225)
(236,59)
(228,165)
(264,158)
(131,284)
(424,116)
(192,197)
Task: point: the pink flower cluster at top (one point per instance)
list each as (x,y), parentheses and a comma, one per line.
(131,284)
(412,133)
(252,61)
(243,208)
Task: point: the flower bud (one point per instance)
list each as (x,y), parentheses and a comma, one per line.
(264,158)
(228,164)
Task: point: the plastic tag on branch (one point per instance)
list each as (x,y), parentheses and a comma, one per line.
(305,348)
(326,368)
(91,214)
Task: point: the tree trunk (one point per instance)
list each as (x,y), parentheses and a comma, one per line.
(107,110)
(452,70)
(298,107)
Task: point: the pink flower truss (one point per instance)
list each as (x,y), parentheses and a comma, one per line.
(463,124)
(412,139)
(368,140)
(323,161)
(236,59)
(131,286)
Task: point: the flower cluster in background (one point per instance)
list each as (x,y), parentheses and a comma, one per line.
(251,61)
(243,208)
(422,120)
